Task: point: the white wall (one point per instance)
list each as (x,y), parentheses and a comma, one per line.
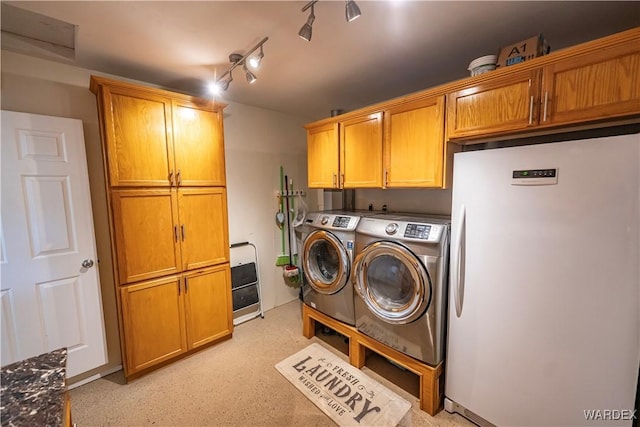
(257,142)
(431,201)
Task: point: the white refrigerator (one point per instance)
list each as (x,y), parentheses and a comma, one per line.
(544,297)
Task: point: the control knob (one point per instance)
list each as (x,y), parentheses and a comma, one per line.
(324,220)
(391,228)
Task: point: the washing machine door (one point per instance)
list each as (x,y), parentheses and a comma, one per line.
(392,281)
(325,262)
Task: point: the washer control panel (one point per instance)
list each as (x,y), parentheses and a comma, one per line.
(341,221)
(333,221)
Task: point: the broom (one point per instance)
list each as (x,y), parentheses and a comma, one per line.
(291,272)
(282,258)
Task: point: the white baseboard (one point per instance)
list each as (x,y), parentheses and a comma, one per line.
(94,377)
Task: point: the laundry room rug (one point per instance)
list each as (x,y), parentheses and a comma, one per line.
(343,392)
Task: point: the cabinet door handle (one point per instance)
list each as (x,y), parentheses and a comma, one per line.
(386,178)
(186,285)
(183,232)
(175,233)
(171,178)
(341,184)
(179,287)
(531,110)
(178,178)
(334,180)
(546,100)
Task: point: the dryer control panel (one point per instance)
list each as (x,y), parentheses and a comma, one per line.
(417,231)
(403,229)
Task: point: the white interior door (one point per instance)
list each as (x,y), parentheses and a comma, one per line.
(50,294)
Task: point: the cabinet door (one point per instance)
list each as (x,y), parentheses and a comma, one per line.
(361,152)
(323,156)
(203,227)
(153,322)
(146,233)
(138,137)
(198,145)
(208,305)
(414,144)
(499,106)
(599,85)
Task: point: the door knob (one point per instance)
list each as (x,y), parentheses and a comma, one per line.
(87,263)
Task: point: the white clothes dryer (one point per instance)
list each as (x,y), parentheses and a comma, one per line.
(400,275)
(327,256)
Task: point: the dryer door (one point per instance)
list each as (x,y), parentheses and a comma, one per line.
(325,262)
(394,284)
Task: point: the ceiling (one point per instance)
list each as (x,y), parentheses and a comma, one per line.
(394,48)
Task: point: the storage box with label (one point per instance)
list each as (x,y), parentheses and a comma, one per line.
(523,51)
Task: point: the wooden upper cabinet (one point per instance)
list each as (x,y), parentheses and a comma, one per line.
(153,322)
(198,145)
(594,84)
(156,138)
(138,137)
(203,227)
(414,144)
(361,152)
(602,84)
(505,104)
(146,233)
(208,308)
(323,156)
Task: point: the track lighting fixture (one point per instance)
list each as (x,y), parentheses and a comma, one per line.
(222,83)
(352,11)
(305,31)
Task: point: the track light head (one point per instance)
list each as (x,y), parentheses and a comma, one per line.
(251,78)
(255,61)
(305,31)
(221,85)
(352,10)
(224,84)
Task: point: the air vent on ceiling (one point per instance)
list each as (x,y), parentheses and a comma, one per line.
(28,32)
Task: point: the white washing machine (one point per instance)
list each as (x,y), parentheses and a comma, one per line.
(327,255)
(400,276)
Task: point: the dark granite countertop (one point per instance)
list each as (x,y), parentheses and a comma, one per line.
(32,391)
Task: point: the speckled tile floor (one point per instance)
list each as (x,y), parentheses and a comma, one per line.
(233,383)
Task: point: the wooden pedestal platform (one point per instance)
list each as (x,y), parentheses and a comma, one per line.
(431,378)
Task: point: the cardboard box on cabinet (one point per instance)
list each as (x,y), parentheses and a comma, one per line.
(523,51)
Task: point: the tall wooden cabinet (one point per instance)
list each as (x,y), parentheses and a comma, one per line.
(165,173)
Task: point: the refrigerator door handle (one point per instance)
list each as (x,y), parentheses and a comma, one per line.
(457,272)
